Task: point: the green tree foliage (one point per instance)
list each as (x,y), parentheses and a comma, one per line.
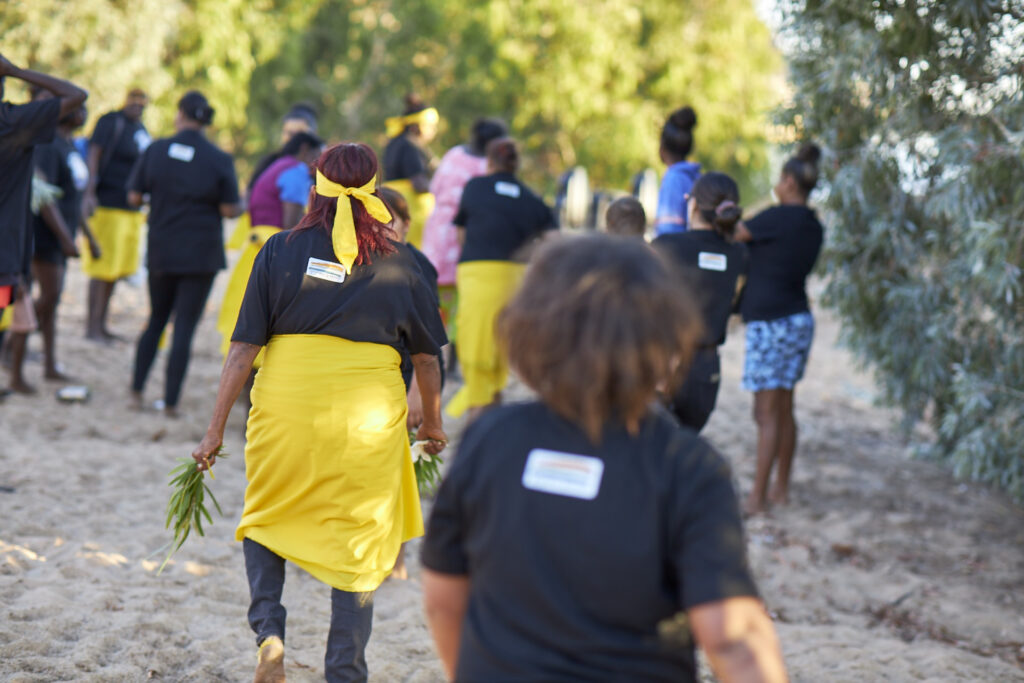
(919,103)
(580,83)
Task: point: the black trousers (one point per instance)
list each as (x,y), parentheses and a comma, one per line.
(695,400)
(183,296)
(351,615)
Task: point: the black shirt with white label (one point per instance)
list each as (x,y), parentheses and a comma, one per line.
(500,216)
(403,159)
(60,164)
(187,179)
(784,246)
(711,268)
(566,588)
(384,302)
(22,127)
(123,141)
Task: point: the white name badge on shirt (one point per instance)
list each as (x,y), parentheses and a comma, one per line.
(711,261)
(181,152)
(564,474)
(142,140)
(506,189)
(325,270)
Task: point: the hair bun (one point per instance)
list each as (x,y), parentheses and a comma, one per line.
(684,118)
(809,153)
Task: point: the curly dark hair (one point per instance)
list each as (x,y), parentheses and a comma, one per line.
(598,329)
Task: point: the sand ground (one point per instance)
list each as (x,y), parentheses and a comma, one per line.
(882,569)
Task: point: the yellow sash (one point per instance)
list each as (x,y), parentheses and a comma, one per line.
(331,481)
(484,287)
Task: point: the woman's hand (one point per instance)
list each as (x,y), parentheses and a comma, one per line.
(94,248)
(69,248)
(205,452)
(434,436)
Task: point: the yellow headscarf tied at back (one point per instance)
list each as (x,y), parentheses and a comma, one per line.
(396,124)
(343,233)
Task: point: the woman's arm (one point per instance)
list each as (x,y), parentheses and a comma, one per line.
(71,96)
(742,234)
(739,639)
(232,378)
(428,378)
(291,214)
(445,598)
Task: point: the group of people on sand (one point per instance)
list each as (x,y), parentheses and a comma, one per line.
(587,534)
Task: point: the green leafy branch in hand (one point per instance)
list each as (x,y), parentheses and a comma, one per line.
(185,508)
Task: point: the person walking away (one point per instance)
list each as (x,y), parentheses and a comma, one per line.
(458,166)
(59,165)
(192,186)
(116,144)
(676,145)
(498,217)
(407,161)
(22,127)
(715,268)
(625,216)
(331,484)
(586,532)
(784,243)
(277,201)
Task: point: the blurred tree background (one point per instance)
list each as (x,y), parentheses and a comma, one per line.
(580,83)
(920,104)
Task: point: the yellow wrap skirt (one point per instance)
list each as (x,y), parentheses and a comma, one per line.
(331,481)
(420,206)
(119,234)
(6,317)
(235,291)
(484,287)
(240,233)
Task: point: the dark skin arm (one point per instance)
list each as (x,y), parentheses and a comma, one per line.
(94,246)
(420,182)
(89,202)
(236,371)
(427,369)
(71,96)
(291,214)
(445,598)
(55,222)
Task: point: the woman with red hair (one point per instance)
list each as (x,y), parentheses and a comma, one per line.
(331,482)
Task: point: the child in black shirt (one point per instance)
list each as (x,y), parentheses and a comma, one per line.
(571,533)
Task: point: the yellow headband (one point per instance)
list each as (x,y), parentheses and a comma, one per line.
(396,124)
(343,233)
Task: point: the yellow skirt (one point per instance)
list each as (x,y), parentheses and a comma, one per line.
(484,287)
(6,317)
(331,481)
(119,233)
(420,206)
(240,233)
(235,292)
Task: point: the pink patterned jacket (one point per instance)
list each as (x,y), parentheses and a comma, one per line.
(440,241)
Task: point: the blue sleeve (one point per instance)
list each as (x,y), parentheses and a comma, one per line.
(671,215)
(294,185)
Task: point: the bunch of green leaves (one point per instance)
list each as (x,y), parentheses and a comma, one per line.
(186,508)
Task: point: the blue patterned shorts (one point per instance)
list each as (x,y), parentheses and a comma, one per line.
(777,352)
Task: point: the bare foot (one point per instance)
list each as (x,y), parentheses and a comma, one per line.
(400,572)
(172,412)
(270,661)
(111,337)
(20,386)
(753,507)
(136,402)
(97,337)
(778,496)
(55,375)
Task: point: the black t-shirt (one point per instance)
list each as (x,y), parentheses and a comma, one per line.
(429,273)
(384,302)
(123,141)
(22,127)
(571,586)
(403,159)
(784,247)
(187,179)
(501,216)
(713,268)
(60,164)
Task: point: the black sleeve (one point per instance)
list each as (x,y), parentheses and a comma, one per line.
(36,122)
(103,132)
(229,183)
(47,160)
(424,329)
(254,317)
(708,546)
(761,227)
(410,161)
(444,545)
(460,215)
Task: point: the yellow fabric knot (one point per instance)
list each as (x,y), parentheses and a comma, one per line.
(396,124)
(343,232)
